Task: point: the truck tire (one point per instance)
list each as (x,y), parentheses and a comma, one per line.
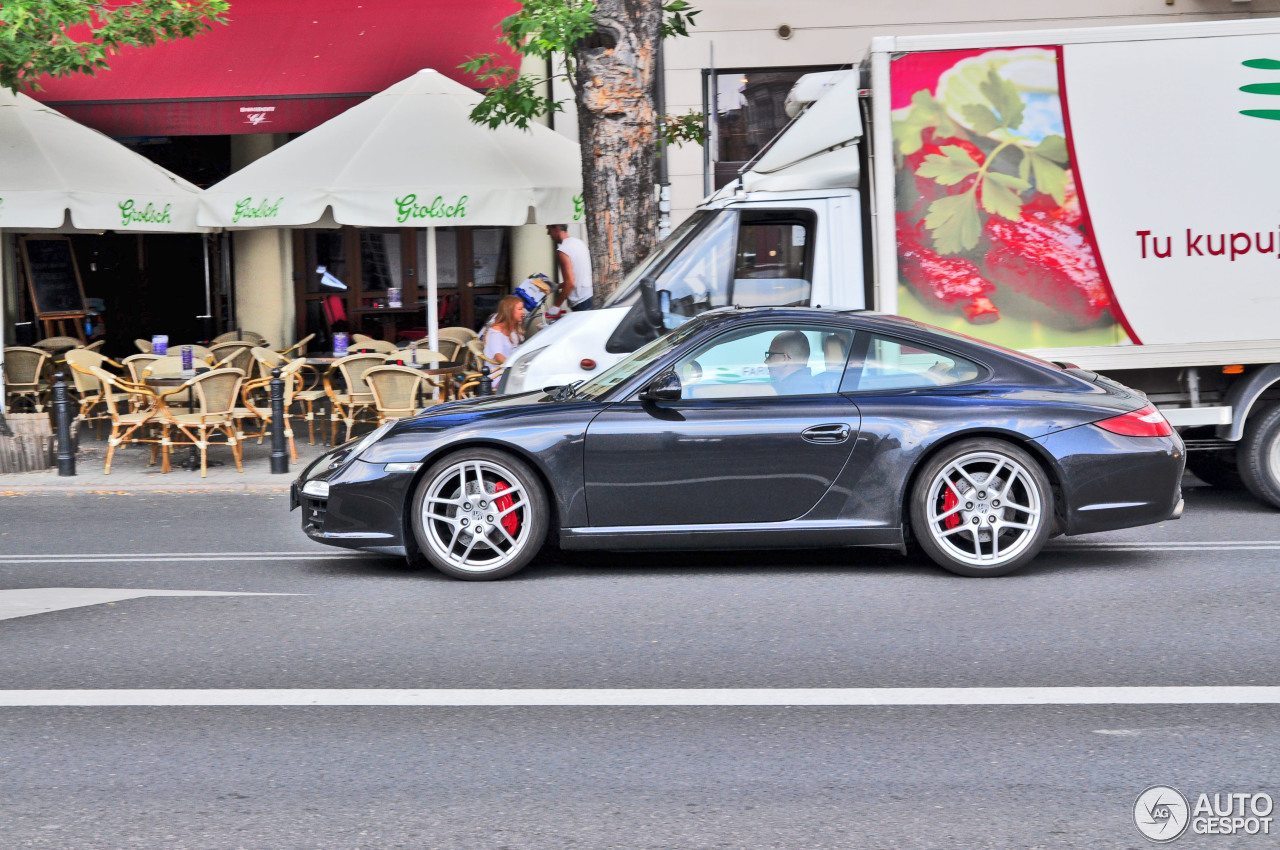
(1218,469)
(1259,454)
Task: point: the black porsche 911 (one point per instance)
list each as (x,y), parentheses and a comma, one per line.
(762,428)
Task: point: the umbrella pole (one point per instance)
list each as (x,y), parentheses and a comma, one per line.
(206,321)
(433,285)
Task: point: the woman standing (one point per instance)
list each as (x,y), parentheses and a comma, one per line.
(507,330)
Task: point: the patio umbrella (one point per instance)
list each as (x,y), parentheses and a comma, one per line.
(59,175)
(409,156)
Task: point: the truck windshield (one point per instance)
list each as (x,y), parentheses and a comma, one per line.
(697,276)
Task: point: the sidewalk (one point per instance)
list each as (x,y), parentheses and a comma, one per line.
(131,474)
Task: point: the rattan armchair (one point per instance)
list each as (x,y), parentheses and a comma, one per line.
(215,395)
(250,337)
(396,391)
(234,355)
(24,376)
(452,340)
(90,389)
(144,345)
(131,426)
(299,347)
(255,408)
(379,345)
(55,345)
(308,392)
(355,397)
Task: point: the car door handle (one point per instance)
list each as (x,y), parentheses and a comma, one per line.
(834,433)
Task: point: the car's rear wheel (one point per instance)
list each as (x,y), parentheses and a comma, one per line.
(982,508)
(479,514)
(1259,454)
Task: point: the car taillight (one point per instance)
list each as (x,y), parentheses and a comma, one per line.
(1146,422)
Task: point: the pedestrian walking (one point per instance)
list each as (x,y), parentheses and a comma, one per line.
(575,269)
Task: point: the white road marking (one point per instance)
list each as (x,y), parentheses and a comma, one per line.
(647,697)
(148,558)
(42,600)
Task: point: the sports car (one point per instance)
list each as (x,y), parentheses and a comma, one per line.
(757,428)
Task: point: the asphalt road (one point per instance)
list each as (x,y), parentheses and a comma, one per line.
(1188,603)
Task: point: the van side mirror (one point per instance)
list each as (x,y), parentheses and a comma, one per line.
(665,387)
(651,303)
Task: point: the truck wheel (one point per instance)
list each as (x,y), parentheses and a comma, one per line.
(1258,455)
(982,508)
(1217,469)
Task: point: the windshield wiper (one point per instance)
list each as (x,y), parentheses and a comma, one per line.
(565,391)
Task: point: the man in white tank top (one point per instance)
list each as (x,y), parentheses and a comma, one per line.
(575,268)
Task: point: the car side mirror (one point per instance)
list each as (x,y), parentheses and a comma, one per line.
(665,387)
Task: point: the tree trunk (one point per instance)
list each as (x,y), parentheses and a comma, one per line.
(617,132)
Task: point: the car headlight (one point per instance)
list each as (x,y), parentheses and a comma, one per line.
(519,371)
(318,489)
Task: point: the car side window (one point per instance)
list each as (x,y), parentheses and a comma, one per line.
(758,362)
(891,364)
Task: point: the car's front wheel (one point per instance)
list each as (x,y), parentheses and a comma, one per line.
(982,508)
(479,514)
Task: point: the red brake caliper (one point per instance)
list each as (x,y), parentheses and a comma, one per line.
(949,501)
(502,503)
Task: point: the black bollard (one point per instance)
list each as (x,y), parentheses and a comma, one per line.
(486,383)
(279,460)
(62,418)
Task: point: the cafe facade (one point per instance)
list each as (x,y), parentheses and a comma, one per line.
(208,106)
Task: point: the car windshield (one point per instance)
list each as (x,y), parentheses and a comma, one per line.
(630,365)
(629,289)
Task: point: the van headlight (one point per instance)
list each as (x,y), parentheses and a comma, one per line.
(519,371)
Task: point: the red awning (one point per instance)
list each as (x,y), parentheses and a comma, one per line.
(279,66)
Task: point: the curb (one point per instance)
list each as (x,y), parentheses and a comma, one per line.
(125,489)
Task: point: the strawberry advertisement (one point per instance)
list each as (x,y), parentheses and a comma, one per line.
(993,238)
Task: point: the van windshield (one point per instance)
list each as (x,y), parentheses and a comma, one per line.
(715,232)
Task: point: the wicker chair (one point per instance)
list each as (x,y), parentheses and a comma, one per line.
(235,355)
(130,427)
(95,346)
(56,345)
(308,391)
(144,345)
(215,393)
(396,391)
(198,352)
(356,398)
(136,363)
(254,407)
(24,373)
(379,345)
(299,347)
(89,388)
(250,337)
(452,340)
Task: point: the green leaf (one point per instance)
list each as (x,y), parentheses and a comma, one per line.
(1004,97)
(982,119)
(955,223)
(924,113)
(1017,184)
(1050,177)
(1024,167)
(999,199)
(1054,148)
(949,167)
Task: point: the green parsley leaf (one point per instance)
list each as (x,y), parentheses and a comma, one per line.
(954,223)
(949,167)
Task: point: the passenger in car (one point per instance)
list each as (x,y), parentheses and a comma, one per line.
(788,362)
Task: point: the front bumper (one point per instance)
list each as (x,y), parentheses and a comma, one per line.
(1110,481)
(364,508)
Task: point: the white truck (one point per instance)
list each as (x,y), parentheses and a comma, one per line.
(1100,197)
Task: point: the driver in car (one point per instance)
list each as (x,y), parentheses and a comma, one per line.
(788,362)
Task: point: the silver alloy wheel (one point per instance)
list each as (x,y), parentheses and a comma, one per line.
(467,511)
(984,509)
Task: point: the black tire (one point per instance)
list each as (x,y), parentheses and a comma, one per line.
(1258,455)
(1217,469)
(459,507)
(1021,527)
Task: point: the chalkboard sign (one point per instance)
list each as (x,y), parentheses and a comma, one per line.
(53,276)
